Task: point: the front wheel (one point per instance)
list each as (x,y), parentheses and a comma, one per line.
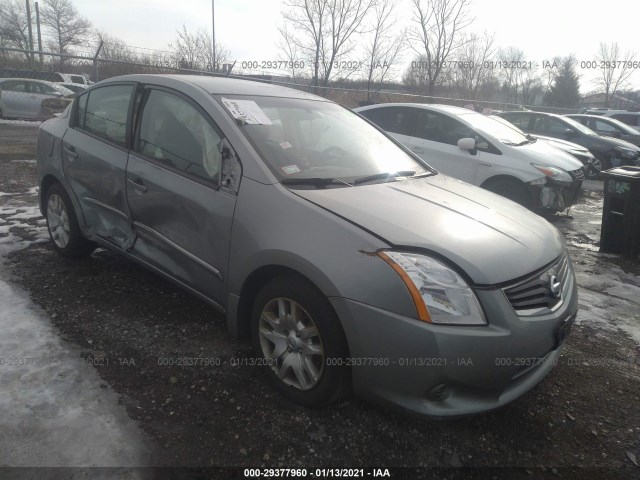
(511,189)
(298,335)
(62,224)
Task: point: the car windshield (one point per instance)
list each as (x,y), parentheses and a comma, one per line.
(506,134)
(314,141)
(578,126)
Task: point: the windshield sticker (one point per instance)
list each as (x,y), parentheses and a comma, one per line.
(285,145)
(246,111)
(290,169)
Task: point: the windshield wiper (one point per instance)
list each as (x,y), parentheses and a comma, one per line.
(316,181)
(383,176)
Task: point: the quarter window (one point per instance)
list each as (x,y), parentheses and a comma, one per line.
(178,135)
(106,112)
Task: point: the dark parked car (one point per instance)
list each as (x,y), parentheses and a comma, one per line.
(608,127)
(351,262)
(630,118)
(608,152)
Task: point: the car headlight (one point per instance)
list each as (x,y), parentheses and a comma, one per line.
(626,152)
(554,173)
(439,293)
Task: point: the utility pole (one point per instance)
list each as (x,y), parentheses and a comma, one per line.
(30,30)
(39,36)
(213,35)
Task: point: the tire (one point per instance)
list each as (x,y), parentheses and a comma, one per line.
(62,224)
(600,163)
(300,357)
(511,189)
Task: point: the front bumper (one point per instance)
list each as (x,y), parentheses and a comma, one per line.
(557,196)
(448,370)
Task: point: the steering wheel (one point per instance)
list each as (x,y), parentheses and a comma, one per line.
(334,151)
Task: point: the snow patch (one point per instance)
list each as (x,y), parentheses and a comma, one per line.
(55,411)
(20,122)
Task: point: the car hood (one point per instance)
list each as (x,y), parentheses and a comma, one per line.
(492,239)
(542,153)
(563,144)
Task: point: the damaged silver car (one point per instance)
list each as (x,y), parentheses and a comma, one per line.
(352,264)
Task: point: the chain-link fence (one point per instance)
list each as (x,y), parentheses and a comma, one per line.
(45,87)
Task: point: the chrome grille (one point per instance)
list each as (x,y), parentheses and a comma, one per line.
(534,295)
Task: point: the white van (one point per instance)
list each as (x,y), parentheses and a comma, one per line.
(475,148)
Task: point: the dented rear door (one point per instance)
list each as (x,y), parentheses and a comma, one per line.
(94,154)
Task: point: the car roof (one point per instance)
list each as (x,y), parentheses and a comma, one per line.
(586,115)
(533,112)
(29,80)
(437,107)
(217,85)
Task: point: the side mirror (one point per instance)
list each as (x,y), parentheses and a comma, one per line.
(467,144)
(569,132)
(616,134)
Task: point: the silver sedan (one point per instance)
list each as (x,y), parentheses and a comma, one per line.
(352,264)
(26,98)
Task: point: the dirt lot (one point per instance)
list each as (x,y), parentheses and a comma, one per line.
(582,421)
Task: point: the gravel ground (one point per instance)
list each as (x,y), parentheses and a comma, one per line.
(582,421)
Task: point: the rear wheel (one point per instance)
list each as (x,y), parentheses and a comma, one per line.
(511,189)
(62,224)
(301,340)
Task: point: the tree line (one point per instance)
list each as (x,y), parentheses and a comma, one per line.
(324,43)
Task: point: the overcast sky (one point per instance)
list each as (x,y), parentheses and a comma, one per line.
(248,28)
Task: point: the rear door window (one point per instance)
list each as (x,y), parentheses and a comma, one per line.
(401,120)
(107,109)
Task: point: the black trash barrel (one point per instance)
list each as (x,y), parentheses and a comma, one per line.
(620,231)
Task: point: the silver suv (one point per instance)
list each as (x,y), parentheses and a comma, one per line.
(351,263)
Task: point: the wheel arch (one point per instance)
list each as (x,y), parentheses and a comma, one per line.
(502,176)
(45,184)
(240,306)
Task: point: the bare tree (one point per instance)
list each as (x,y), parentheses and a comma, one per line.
(472,72)
(520,79)
(223,55)
(384,48)
(290,53)
(192,50)
(615,68)
(322,31)
(14,25)
(551,70)
(435,34)
(69,28)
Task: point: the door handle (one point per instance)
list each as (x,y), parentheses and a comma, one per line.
(416,150)
(138,185)
(71,152)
